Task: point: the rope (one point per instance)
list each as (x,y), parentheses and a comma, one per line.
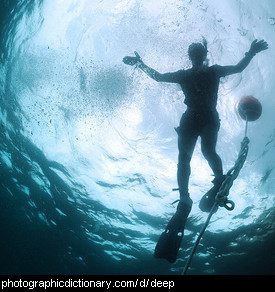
(221,197)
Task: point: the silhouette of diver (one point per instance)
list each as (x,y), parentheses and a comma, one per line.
(200,86)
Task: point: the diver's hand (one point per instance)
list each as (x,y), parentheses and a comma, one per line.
(132,60)
(257,47)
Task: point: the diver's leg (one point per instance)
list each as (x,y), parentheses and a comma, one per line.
(170,240)
(208,147)
(186,144)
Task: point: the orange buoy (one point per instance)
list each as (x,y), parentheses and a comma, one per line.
(249,108)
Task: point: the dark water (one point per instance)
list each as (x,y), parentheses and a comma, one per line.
(88,152)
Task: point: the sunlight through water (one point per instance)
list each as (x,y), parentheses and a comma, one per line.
(89,153)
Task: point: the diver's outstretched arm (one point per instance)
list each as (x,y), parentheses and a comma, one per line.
(150,71)
(166,77)
(256,47)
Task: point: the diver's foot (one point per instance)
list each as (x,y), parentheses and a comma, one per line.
(218,180)
(208,200)
(170,240)
(178,220)
(185,204)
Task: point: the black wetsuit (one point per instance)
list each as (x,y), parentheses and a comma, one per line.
(200,88)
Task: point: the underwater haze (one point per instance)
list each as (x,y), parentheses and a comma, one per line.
(88,150)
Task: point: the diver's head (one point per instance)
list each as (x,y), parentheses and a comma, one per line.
(197,53)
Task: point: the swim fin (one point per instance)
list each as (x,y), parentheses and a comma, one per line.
(208,200)
(169,242)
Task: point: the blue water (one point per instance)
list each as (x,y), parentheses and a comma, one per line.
(88,153)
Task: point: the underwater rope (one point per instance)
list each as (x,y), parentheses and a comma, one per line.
(221,197)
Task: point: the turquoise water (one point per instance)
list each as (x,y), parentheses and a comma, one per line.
(88,153)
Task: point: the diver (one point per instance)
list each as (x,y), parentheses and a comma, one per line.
(200,86)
